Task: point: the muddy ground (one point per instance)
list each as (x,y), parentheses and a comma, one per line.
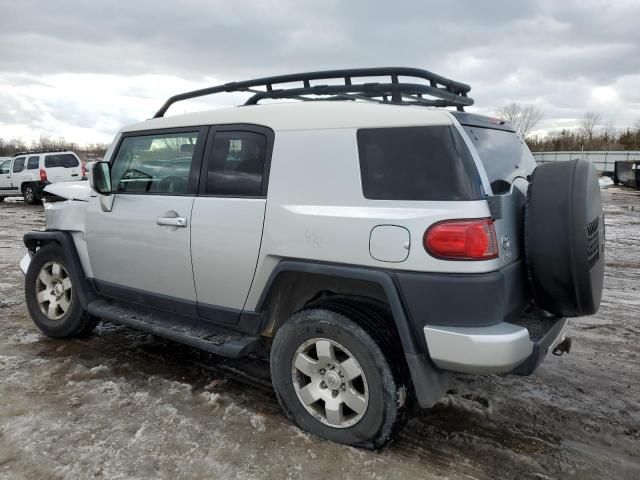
(122,404)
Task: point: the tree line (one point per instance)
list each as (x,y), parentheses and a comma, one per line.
(87,152)
(591,133)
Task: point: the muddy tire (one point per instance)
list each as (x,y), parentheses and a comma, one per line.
(564,238)
(333,378)
(30,195)
(51,298)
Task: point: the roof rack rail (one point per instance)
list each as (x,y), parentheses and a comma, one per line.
(443,91)
(46,150)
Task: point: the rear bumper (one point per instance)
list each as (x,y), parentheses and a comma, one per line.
(502,348)
(463,299)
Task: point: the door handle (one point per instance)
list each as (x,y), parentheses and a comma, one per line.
(172,221)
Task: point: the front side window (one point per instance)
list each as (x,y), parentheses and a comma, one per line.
(33,162)
(64,160)
(18,164)
(236,164)
(157,164)
(417,163)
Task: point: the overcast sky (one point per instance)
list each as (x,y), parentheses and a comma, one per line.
(82,69)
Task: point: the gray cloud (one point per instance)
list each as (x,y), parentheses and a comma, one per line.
(548,52)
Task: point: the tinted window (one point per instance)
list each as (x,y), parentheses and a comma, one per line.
(33,163)
(4,166)
(18,164)
(504,155)
(154,163)
(65,160)
(416,163)
(236,164)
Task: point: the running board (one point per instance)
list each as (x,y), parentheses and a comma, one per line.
(193,332)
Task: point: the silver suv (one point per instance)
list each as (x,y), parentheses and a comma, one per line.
(364,239)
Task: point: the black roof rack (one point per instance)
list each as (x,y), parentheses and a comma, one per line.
(442,91)
(48,150)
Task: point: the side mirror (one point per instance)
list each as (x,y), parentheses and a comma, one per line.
(101,178)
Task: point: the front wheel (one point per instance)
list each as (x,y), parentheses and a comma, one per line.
(51,295)
(333,378)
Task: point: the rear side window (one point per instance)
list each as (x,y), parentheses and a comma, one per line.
(417,163)
(64,160)
(18,164)
(504,155)
(236,164)
(32,163)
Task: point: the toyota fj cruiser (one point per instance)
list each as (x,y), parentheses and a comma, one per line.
(364,239)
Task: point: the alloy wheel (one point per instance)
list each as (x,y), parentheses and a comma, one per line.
(53,290)
(330,383)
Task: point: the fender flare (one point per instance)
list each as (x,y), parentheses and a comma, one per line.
(35,240)
(428,381)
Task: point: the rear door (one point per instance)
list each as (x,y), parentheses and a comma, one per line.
(141,250)
(227,219)
(33,167)
(62,167)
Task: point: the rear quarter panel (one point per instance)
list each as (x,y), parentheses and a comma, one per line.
(316,210)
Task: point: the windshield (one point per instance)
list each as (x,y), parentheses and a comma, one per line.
(504,155)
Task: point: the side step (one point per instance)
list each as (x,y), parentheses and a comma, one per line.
(192,332)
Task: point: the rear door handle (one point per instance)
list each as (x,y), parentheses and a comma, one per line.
(172,221)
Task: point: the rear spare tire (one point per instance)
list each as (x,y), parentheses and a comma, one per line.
(564,238)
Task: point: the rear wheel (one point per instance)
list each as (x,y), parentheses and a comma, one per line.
(29,194)
(51,295)
(333,378)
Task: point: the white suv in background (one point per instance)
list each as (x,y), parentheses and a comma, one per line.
(27,173)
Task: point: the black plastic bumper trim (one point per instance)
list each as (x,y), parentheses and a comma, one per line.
(540,349)
(464,300)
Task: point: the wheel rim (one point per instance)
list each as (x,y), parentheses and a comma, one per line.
(53,290)
(330,383)
(29,193)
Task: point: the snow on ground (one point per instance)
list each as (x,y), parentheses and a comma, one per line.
(126,405)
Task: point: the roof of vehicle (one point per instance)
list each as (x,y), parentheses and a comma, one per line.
(306,115)
(41,152)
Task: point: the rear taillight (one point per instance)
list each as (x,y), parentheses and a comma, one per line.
(462,240)
(84,169)
(43,175)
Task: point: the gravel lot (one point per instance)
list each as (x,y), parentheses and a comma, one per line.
(122,404)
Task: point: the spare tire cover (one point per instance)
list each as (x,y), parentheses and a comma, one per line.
(564,238)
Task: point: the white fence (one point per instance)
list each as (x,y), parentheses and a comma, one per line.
(603,161)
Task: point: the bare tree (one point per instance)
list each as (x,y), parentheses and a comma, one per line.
(609,134)
(523,118)
(589,124)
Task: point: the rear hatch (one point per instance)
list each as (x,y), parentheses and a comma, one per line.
(62,167)
(507,162)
